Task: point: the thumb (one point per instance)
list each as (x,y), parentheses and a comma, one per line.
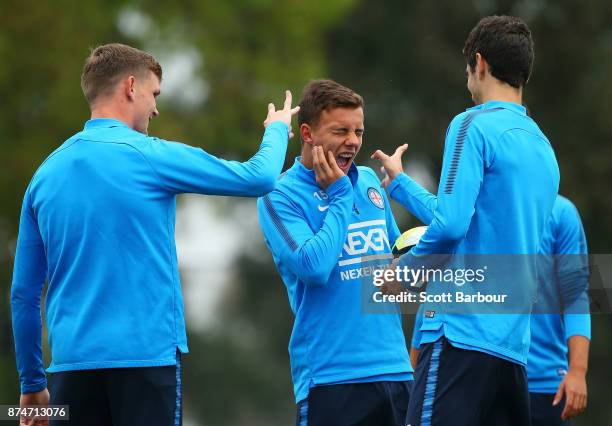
(559,394)
(401,149)
(379,155)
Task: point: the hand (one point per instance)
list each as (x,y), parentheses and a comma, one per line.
(326,169)
(392,286)
(35,398)
(283,115)
(392,166)
(575,389)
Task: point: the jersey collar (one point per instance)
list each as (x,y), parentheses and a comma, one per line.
(500,104)
(96,123)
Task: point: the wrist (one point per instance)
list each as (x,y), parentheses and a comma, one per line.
(577,369)
(338,187)
(394,173)
(278,123)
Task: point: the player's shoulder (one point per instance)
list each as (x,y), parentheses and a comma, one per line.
(477,118)
(50,160)
(286,183)
(284,190)
(564,209)
(562,202)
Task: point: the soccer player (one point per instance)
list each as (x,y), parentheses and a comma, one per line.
(327,223)
(97,223)
(498,184)
(560,324)
(555,338)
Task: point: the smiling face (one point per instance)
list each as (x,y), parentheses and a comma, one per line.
(145,105)
(339,130)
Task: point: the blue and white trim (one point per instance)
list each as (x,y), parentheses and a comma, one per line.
(430,387)
(302,413)
(179,397)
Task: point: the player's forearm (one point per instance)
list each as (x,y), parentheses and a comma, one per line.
(27,332)
(266,165)
(412,196)
(578,348)
(318,256)
(29,273)
(182,168)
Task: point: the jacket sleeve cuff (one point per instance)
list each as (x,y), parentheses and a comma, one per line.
(31,388)
(339,187)
(400,179)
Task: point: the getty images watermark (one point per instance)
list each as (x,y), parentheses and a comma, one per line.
(489,284)
(393,284)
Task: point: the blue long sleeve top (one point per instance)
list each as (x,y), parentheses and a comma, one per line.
(498,184)
(325,245)
(97,223)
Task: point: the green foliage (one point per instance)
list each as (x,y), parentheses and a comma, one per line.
(251,51)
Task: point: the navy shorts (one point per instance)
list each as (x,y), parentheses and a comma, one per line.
(542,411)
(461,387)
(119,396)
(355,404)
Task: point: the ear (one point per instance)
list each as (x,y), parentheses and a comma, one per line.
(306,133)
(482,67)
(130,87)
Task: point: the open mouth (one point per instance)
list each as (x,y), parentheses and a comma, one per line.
(344,160)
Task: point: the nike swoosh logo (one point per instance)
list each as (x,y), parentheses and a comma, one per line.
(322,208)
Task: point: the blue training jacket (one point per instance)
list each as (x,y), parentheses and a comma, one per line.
(498,184)
(324,245)
(98,224)
(562,309)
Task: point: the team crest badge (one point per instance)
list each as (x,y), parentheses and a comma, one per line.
(376,198)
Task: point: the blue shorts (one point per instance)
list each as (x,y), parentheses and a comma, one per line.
(461,387)
(119,396)
(354,404)
(542,411)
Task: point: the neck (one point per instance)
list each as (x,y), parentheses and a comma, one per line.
(110,111)
(504,93)
(306,159)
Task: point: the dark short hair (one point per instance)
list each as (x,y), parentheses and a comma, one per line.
(505,43)
(322,95)
(108,63)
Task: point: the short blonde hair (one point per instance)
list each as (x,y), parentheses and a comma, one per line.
(108,63)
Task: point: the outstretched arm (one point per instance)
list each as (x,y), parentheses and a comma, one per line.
(182,168)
